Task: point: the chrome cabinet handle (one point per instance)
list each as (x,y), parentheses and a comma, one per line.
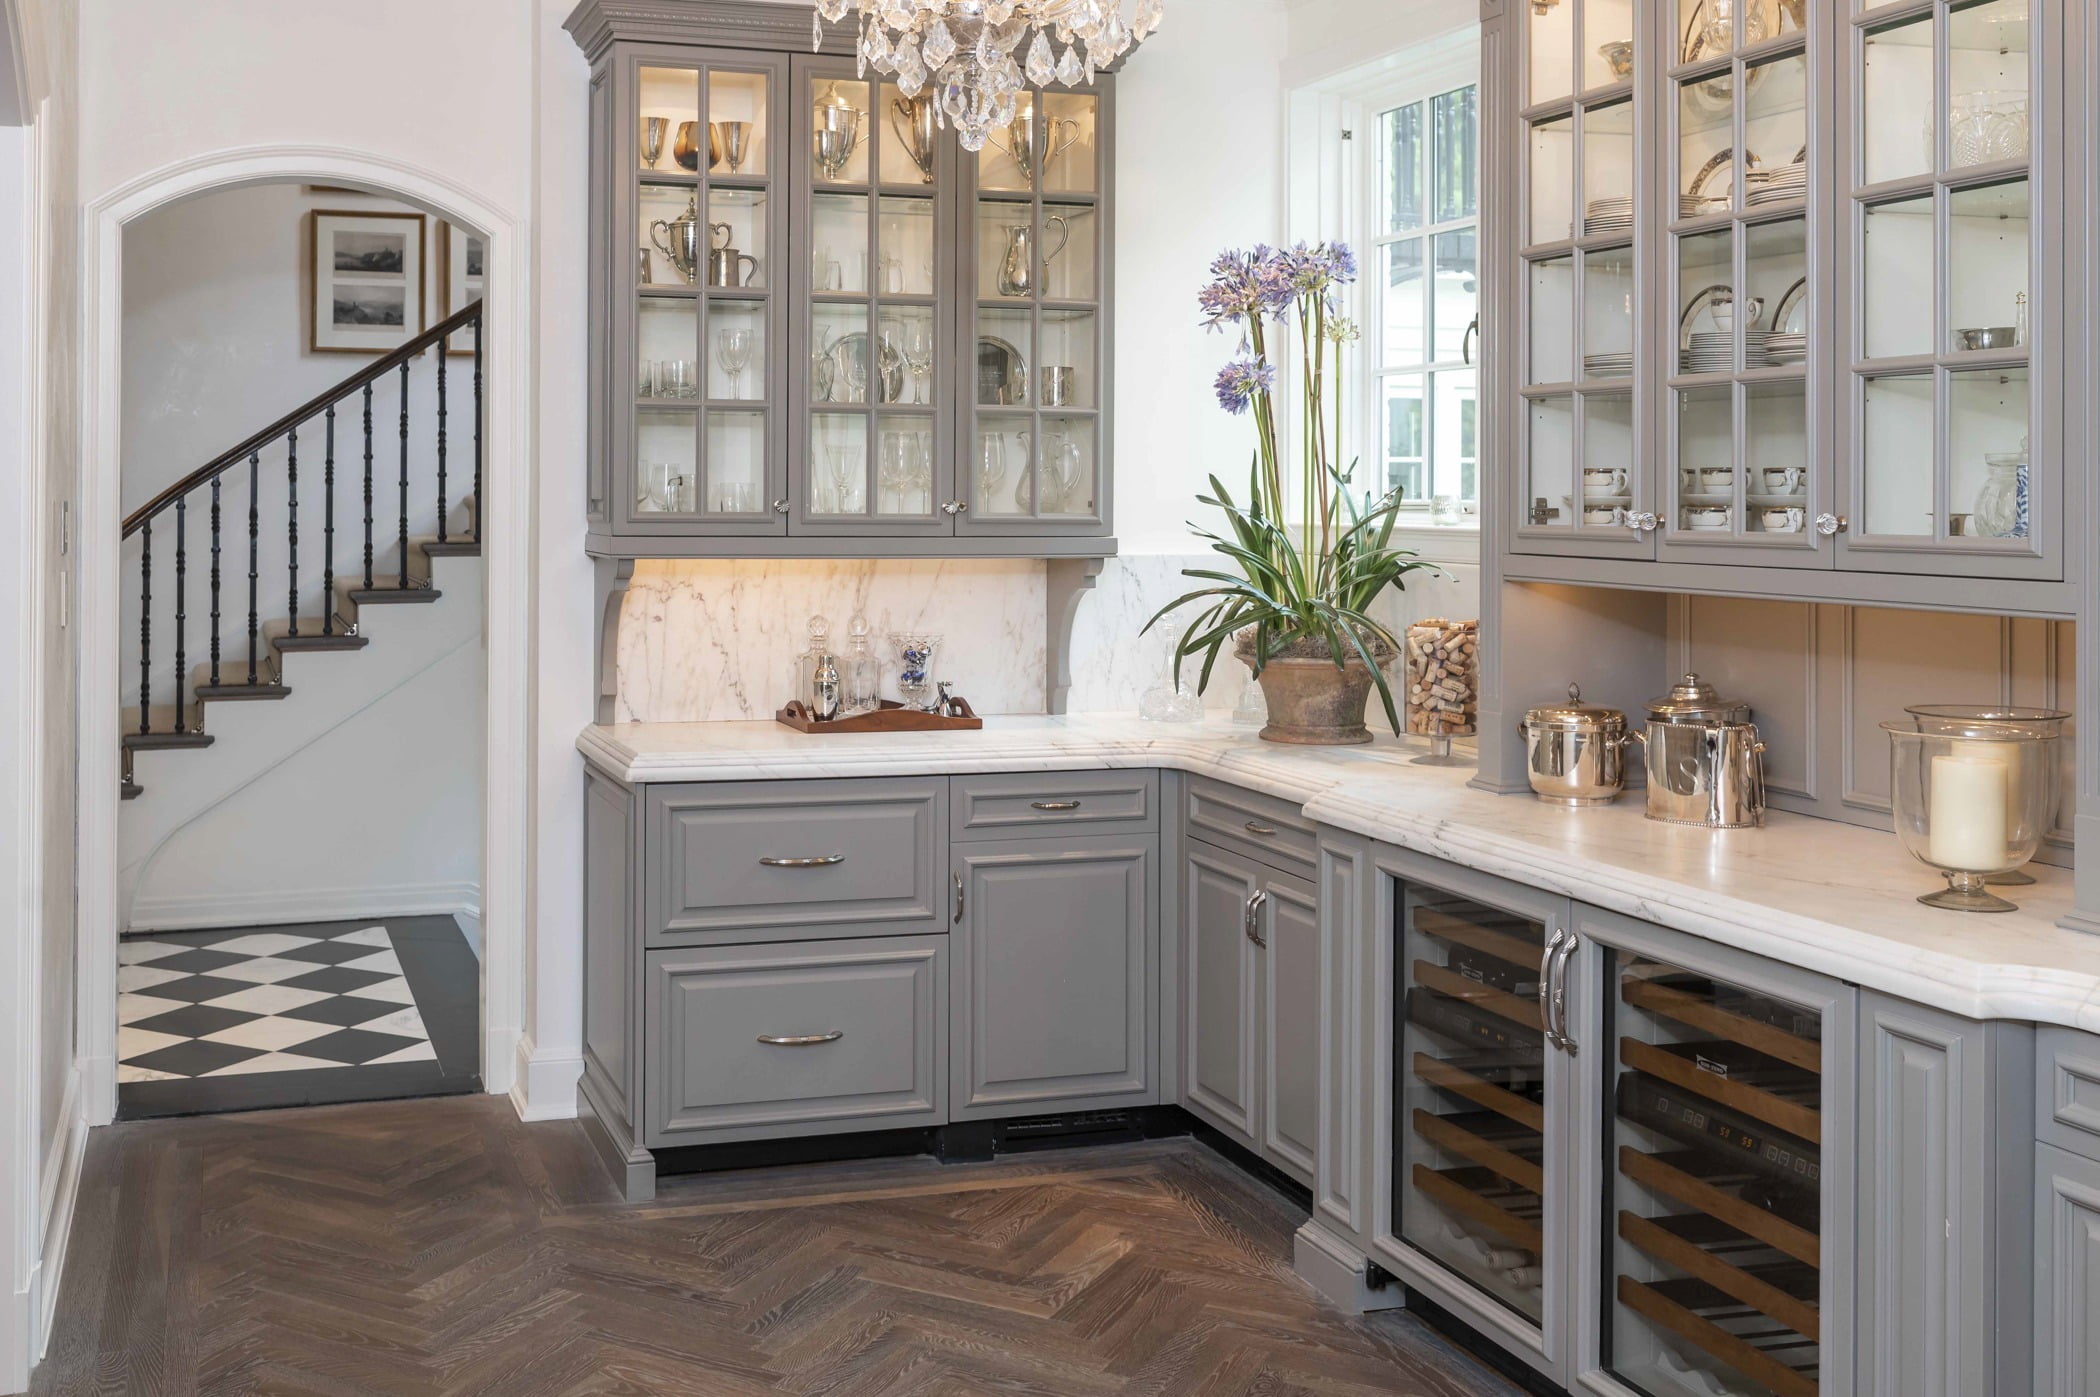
(825,861)
(1568,948)
(1643,521)
(958,899)
(1263,830)
(1054,806)
(1828,524)
(1546,985)
(800,1040)
(1255,902)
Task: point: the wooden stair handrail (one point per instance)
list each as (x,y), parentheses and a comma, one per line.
(437,334)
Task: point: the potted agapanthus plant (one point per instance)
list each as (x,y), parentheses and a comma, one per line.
(1309,556)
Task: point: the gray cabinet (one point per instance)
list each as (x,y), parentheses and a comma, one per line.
(817,323)
(2067,1272)
(1056,975)
(1250,1004)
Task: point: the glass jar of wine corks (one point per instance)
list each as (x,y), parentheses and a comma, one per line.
(1443,685)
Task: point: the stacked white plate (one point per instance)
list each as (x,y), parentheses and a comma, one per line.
(1708,352)
(1776,186)
(1606,217)
(1694,206)
(1607,365)
(1786,348)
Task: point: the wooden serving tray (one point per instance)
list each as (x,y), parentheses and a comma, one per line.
(891,717)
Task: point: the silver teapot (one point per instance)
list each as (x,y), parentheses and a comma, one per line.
(1704,760)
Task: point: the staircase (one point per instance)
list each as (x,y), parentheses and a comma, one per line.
(397,472)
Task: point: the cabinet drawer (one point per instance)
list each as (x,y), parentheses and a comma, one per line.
(1262,827)
(751,1042)
(774,860)
(2067,1104)
(1008,807)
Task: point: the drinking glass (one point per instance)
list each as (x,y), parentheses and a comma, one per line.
(647,378)
(893,473)
(677,379)
(853,368)
(918,356)
(733,353)
(922,469)
(844,482)
(991,464)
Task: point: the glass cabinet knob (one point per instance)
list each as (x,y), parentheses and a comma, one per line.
(1828,524)
(954,507)
(780,506)
(1642,521)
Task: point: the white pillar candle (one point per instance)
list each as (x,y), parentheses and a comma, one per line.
(1968,814)
(2005,754)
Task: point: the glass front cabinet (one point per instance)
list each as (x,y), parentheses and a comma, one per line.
(1606,1142)
(1771,279)
(816,317)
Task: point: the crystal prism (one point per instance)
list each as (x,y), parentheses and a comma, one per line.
(1069,70)
(1149,15)
(940,44)
(1041,66)
(911,71)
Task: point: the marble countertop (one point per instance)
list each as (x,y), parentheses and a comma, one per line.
(1825,896)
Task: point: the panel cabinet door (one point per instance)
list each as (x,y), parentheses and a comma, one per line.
(872,444)
(1287,917)
(1056,973)
(1220,1000)
(1721,1117)
(2067,1275)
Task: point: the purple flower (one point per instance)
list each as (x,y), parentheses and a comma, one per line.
(1240,380)
(1314,269)
(1246,284)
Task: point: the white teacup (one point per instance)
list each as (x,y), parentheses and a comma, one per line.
(1783,521)
(1604,480)
(1713,479)
(1709,516)
(1603,514)
(1784,480)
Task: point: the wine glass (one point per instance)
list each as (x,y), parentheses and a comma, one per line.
(921,480)
(991,464)
(843,469)
(733,353)
(918,356)
(853,367)
(894,472)
(889,363)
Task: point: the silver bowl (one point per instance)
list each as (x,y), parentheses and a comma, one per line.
(1989,337)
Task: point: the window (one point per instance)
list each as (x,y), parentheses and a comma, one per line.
(1421,298)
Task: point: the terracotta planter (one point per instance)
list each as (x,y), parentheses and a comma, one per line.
(1313,704)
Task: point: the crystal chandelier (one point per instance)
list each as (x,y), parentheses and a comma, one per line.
(965,49)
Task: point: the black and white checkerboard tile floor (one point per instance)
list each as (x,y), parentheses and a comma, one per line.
(269,1001)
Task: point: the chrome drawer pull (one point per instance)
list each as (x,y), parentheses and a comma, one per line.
(1056,805)
(827,861)
(800,1040)
(1263,830)
(1256,901)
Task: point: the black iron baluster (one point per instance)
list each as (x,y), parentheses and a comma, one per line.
(182,613)
(328,529)
(442,350)
(477,425)
(215,582)
(403,539)
(254,535)
(368,487)
(291,533)
(145,628)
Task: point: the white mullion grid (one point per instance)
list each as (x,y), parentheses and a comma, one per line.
(1380,241)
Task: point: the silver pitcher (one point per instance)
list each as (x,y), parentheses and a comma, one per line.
(913,119)
(837,132)
(1017,271)
(683,239)
(1704,760)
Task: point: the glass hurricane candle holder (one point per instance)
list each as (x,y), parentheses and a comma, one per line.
(1971,802)
(1961,720)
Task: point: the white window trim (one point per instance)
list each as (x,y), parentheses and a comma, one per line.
(1331,169)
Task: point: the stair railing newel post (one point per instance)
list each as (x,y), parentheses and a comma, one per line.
(146,629)
(403,537)
(328,529)
(215,582)
(182,613)
(291,481)
(254,545)
(368,489)
(442,350)
(477,422)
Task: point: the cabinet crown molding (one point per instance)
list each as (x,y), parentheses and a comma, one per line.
(748,24)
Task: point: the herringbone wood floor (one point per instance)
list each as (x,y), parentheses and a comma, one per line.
(443,1247)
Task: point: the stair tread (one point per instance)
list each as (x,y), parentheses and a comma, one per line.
(239,693)
(449,548)
(155,741)
(310,637)
(393,596)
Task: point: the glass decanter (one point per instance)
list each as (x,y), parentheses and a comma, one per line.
(816,682)
(915,651)
(860,672)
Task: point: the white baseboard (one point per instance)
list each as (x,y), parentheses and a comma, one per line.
(1338,1271)
(286,906)
(545,1087)
(61,1192)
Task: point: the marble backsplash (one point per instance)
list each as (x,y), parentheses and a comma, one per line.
(711,641)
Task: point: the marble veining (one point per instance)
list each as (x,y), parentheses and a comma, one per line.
(1825,896)
(711,640)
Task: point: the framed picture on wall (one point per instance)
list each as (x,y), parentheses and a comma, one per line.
(464,277)
(366,270)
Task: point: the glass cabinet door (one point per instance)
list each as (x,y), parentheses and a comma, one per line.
(1471,1102)
(1584,487)
(1035,269)
(874,387)
(1713,1200)
(1951,348)
(702,441)
(1745,271)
